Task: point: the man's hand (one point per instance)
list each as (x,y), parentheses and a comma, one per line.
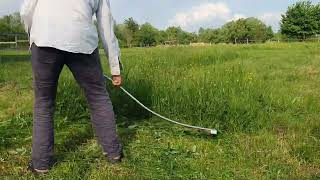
(117,80)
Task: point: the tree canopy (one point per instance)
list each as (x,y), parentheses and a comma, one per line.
(11,24)
(148,35)
(302,20)
(242,30)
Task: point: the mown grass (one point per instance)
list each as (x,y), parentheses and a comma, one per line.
(263,99)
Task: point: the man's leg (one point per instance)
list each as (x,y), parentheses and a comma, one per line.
(47,64)
(88,72)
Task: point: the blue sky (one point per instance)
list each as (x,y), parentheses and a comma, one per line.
(189,14)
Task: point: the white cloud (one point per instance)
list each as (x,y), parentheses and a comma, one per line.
(216,14)
(271,19)
(202,13)
(237,17)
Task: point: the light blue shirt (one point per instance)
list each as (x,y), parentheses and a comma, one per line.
(68,25)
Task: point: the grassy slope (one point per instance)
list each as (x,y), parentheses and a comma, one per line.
(264,99)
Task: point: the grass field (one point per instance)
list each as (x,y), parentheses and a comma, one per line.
(263,99)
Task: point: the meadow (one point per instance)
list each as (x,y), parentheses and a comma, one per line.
(263,99)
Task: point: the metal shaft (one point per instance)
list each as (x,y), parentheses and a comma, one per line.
(211,131)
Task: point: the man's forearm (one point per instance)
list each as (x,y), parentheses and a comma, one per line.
(108,38)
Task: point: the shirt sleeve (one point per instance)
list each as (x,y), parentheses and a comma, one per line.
(107,35)
(26,13)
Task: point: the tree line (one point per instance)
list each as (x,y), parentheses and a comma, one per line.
(130,33)
(301,21)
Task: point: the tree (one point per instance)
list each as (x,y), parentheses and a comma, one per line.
(193,37)
(301,20)
(132,25)
(270,34)
(211,35)
(4,26)
(257,30)
(317,17)
(148,35)
(162,37)
(120,31)
(173,33)
(132,28)
(242,30)
(11,24)
(179,36)
(235,31)
(187,38)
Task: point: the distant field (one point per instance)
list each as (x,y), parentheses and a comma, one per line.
(263,99)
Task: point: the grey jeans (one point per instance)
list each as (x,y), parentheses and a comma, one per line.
(47,64)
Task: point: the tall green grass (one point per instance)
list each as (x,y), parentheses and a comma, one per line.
(211,87)
(263,99)
(205,87)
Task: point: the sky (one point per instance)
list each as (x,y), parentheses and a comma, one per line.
(188,14)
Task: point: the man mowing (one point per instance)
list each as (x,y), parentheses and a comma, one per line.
(62,33)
